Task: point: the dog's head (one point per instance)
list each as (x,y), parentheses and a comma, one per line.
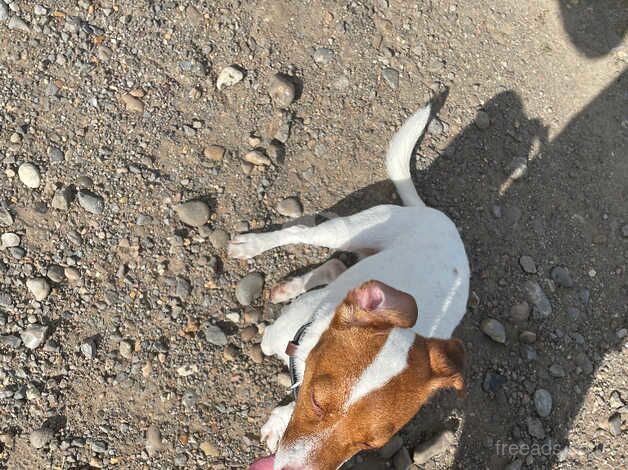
(368,375)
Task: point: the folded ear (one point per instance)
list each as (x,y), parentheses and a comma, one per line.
(378,305)
(447,364)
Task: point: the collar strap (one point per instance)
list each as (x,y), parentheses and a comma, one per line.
(291,350)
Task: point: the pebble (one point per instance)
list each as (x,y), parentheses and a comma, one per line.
(256,355)
(537,298)
(190,399)
(494,330)
(91,202)
(40,10)
(55,273)
(209,449)
(290,207)
(535,427)
(248,333)
(584,363)
(615,400)
(132,103)
(182,289)
(557,371)
(561,277)
(40,437)
(56,154)
(193,213)
(126,349)
(33,336)
(154,443)
(518,168)
(39,287)
(249,288)
(72,274)
(323,56)
(88,348)
(614,424)
(282,90)
(284,380)
(527,264)
(493,382)
(9,240)
(180,460)
(62,199)
(219,239)
(435,127)
(17,23)
(391,77)
(4,11)
(6,219)
(100,447)
(29,175)
(402,460)
(482,120)
(229,76)
(214,335)
(215,153)
(257,158)
(543,402)
(519,313)
(528,337)
(430,449)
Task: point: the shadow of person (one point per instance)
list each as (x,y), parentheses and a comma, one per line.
(595,27)
(567,211)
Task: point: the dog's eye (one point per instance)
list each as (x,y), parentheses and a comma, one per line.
(316,406)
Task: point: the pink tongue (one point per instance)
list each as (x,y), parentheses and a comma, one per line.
(266,463)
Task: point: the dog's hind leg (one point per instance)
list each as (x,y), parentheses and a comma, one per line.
(320,276)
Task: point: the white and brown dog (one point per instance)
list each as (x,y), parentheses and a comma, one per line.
(368,358)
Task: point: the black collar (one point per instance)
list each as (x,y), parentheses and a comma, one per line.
(290,351)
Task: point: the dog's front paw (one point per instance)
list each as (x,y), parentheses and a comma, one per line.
(273,430)
(245,246)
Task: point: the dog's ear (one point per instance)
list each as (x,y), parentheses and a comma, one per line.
(447,364)
(377,305)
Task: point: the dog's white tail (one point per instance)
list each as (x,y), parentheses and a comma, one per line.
(400,153)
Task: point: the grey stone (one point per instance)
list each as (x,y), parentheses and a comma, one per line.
(29,175)
(528,352)
(33,336)
(290,207)
(10,341)
(561,277)
(180,460)
(193,213)
(543,402)
(249,288)
(323,56)
(493,382)
(229,76)
(535,427)
(219,239)
(9,240)
(584,363)
(56,154)
(391,77)
(62,199)
(6,219)
(282,90)
(402,460)
(435,127)
(40,10)
(4,11)
(88,348)
(519,313)
(615,400)
(482,120)
(614,424)
(537,298)
(126,349)
(17,23)
(154,443)
(527,264)
(430,449)
(39,287)
(100,447)
(40,437)
(55,273)
(494,330)
(91,202)
(190,399)
(214,335)
(557,371)
(183,288)
(527,337)
(573,313)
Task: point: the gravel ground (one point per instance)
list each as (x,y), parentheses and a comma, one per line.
(136,137)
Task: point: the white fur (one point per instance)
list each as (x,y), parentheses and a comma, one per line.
(417,250)
(390,361)
(297,454)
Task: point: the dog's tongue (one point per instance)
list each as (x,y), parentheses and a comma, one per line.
(267,463)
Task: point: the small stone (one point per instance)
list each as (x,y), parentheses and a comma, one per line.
(214,335)
(561,277)
(4,11)
(494,330)
(209,449)
(193,213)
(56,154)
(528,337)
(435,127)
(614,424)
(282,90)
(219,239)
(537,298)
(527,264)
(6,219)
(72,274)
(290,207)
(10,341)
(543,402)
(40,437)
(402,460)
(229,76)
(40,10)
(493,382)
(182,289)
(190,399)
(430,449)
(584,363)
(132,103)
(391,448)
(180,460)
(255,353)
(391,77)
(88,348)
(482,120)
(39,287)
(91,202)
(230,353)
(557,371)
(126,349)
(187,370)
(215,153)
(519,313)
(518,168)
(62,199)
(33,336)
(435,66)
(17,23)
(516,464)
(535,427)
(100,447)
(55,273)
(323,56)
(154,443)
(257,158)
(284,380)
(9,240)
(248,333)
(615,400)
(251,316)
(29,175)
(249,288)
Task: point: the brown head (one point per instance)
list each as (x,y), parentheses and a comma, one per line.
(368,375)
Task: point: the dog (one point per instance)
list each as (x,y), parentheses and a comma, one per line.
(367,350)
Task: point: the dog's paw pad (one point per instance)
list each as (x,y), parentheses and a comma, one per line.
(285,291)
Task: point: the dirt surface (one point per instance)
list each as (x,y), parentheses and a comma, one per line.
(122,342)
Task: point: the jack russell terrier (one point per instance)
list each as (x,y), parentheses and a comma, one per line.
(364,358)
